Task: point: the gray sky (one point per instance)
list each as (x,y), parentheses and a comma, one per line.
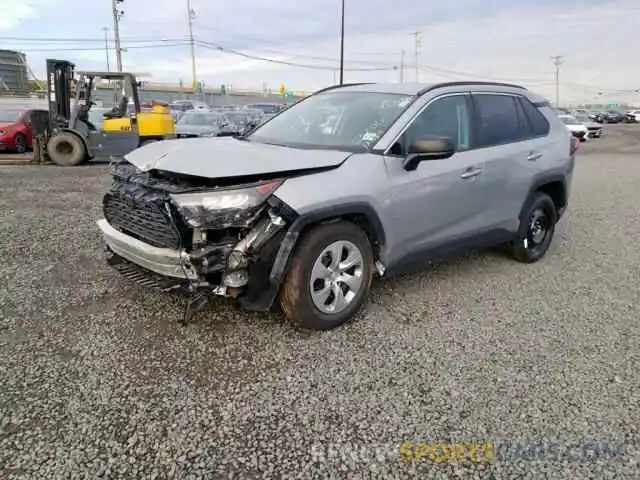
(468,39)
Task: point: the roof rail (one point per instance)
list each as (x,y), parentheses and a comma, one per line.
(333,87)
(468,83)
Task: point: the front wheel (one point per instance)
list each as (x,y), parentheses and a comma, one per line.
(537,226)
(329,278)
(20,143)
(66,149)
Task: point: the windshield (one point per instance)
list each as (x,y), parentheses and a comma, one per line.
(351,121)
(10,116)
(570,121)
(199,119)
(582,118)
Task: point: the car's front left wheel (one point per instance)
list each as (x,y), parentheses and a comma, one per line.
(329,277)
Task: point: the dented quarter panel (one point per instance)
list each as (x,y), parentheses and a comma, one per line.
(229,157)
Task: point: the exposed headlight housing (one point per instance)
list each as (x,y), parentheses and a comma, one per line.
(224,208)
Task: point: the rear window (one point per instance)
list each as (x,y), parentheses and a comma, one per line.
(537,121)
(499,123)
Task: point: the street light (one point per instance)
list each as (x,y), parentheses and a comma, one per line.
(342,45)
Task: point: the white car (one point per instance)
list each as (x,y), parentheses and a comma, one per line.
(595,129)
(577,128)
(635,114)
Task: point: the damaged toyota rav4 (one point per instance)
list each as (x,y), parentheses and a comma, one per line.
(352,182)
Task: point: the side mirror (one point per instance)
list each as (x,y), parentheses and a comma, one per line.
(428,149)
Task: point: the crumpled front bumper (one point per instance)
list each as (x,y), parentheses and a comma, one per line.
(163,261)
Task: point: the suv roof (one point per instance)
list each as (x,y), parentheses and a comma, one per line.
(419,89)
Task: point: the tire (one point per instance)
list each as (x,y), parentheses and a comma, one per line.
(529,247)
(296,297)
(66,150)
(20,143)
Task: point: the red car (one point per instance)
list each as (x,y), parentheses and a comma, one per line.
(15,130)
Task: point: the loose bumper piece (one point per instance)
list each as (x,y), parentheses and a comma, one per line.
(164,261)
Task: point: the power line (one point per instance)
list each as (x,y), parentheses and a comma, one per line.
(85,40)
(220,48)
(294,55)
(376,65)
(97,49)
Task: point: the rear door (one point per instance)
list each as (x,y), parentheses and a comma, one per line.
(511,138)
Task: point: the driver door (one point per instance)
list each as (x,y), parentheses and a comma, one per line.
(442,201)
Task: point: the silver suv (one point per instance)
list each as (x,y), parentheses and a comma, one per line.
(351,182)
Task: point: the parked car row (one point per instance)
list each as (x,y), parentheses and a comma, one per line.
(218,122)
(580,125)
(180,107)
(601,116)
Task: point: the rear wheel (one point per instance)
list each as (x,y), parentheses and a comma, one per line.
(20,143)
(537,226)
(329,278)
(66,150)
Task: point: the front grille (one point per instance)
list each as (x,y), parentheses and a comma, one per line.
(145,221)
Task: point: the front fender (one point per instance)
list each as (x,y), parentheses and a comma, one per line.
(283,257)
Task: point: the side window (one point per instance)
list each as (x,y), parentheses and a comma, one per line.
(538,122)
(445,117)
(498,120)
(26,117)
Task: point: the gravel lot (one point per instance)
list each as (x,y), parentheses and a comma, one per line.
(99,379)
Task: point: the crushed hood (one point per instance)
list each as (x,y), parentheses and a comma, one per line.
(219,157)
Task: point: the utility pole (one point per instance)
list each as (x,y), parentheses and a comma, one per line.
(557,61)
(418,43)
(106,46)
(402,54)
(191,13)
(117,15)
(342,44)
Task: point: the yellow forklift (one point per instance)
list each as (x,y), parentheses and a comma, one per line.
(72,139)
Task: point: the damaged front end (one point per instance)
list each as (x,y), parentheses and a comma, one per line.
(205,236)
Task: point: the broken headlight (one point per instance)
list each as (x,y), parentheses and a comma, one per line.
(224,208)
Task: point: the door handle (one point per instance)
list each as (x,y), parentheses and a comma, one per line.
(470,173)
(533,156)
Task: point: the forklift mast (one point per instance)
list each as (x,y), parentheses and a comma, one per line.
(59,77)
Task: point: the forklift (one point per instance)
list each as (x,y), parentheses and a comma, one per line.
(72,139)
